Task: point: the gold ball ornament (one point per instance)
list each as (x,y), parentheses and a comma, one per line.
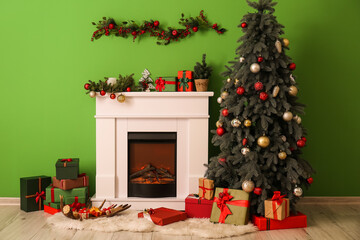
(287,116)
(224,94)
(247,123)
(298,191)
(286,42)
(293,91)
(228,80)
(248,186)
(219,100)
(297,119)
(92,94)
(235,122)
(245,150)
(263,141)
(275,91)
(219,124)
(255,68)
(121,98)
(282,155)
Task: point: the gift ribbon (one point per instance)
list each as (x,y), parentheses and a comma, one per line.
(76,205)
(40,195)
(277,199)
(204,189)
(52,195)
(223,200)
(66,160)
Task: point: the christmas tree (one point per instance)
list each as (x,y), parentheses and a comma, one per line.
(146,83)
(259,131)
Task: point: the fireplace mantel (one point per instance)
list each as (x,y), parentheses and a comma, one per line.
(185,113)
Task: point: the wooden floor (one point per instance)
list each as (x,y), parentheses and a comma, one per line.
(325,221)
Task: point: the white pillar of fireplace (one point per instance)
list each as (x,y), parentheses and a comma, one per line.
(185,113)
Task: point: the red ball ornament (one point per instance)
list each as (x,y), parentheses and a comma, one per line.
(258,86)
(225,112)
(195,29)
(111,26)
(244,25)
(304,139)
(310,180)
(214,26)
(220,131)
(102,93)
(257,191)
(244,141)
(112,96)
(263,96)
(128,89)
(134,33)
(260,59)
(174,32)
(292,66)
(240,90)
(300,143)
(156,23)
(222,160)
(87,86)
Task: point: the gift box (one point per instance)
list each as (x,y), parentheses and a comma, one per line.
(185,81)
(163,216)
(165,84)
(230,206)
(32,192)
(67,184)
(51,210)
(53,194)
(293,221)
(206,188)
(277,207)
(55,205)
(67,168)
(196,207)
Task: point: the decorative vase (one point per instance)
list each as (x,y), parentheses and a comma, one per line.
(201,85)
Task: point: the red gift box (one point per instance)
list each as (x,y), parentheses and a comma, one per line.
(293,221)
(163,216)
(198,208)
(185,81)
(51,210)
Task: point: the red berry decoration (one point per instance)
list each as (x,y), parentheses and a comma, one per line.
(156,23)
(260,59)
(128,89)
(310,180)
(102,93)
(300,143)
(174,32)
(220,131)
(134,33)
(214,26)
(263,96)
(291,149)
(244,25)
(112,96)
(225,112)
(292,66)
(111,26)
(87,86)
(240,90)
(257,191)
(258,86)
(223,160)
(244,141)
(195,29)
(304,139)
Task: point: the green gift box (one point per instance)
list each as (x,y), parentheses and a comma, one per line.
(32,194)
(166,84)
(55,205)
(67,168)
(230,206)
(53,194)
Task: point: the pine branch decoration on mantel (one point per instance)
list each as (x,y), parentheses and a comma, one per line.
(191,25)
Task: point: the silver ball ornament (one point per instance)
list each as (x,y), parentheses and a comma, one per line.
(224,94)
(298,191)
(219,124)
(245,150)
(235,122)
(219,100)
(248,186)
(255,68)
(287,116)
(92,94)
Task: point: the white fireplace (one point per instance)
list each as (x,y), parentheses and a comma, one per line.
(183,113)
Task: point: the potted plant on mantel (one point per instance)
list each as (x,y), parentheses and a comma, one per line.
(202,73)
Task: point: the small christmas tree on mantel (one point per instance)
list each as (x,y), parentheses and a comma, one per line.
(259,131)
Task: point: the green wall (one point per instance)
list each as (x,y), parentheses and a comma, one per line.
(47,56)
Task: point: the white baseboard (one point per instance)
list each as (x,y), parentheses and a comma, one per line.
(9,201)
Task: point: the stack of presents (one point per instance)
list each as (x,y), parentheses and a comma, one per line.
(43,192)
(184,82)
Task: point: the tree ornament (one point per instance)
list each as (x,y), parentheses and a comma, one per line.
(92,94)
(298,191)
(87,86)
(222,160)
(293,91)
(111,26)
(258,86)
(214,26)
(287,116)
(112,96)
(247,123)
(102,93)
(275,91)
(228,80)
(263,96)
(195,29)
(278,46)
(297,119)
(300,143)
(225,112)
(292,66)
(255,68)
(128,89)
(283,137)
(219,100)
(263,141)
(292,79)
(245,150)
(121,98)
(304,139)
(146,81)
(257,191)
(174,32)
(310,180)
(282,155)
(244,25)
(260,59)
(219,124)
(220,131)
(134,33)
(248,186)
(244,141)
(156,23)
(242,59)
(235,122)
(224,95)
(286,42)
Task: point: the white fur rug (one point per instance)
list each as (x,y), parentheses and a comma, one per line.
(128,221)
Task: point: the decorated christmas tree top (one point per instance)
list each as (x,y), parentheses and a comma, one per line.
(259,131)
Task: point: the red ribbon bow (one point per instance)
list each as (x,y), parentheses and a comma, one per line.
(278,198)
(150,211)
(76,205)
(160,84)
(39,195)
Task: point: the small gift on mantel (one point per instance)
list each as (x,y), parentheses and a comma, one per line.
(165,84)
(162,216)
(230,206)
(298,220)
(67,184)
(196,207)
(32,192)
(67,168)
(206,188)
(185,81)
(277,207)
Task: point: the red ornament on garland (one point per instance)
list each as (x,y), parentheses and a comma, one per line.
(174,32)
(240,90)
(263,96)
(292,66)
(258,86)
(214,26)
(244,25)
(244,141)
(128,89)
(102,93)
(222,160)
(257,191)
(111,26)
(195,29)
(260,59)
(134,33)
(300,143)
(156,23)
(220,131)
(87,86)
(225,112)
(310,180)
(112,96)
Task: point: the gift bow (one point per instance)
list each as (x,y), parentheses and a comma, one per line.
(183,83)
(160,84)
(76,205)
(39,195)
(223,200)
(278,198)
